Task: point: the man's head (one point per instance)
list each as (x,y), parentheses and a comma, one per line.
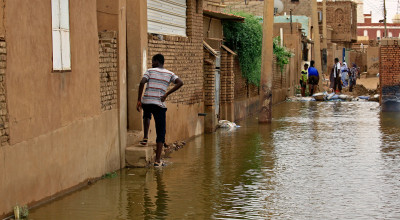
(157,61)
(312,63)
(336,60)
(306,66)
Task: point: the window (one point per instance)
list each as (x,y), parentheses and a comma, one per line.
(390,34)
(365,33)
(378,34)
(166,17)
(61,42)
(320,17)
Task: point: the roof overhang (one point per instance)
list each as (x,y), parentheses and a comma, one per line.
(222,16)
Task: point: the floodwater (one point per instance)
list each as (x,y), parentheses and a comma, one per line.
(317,160)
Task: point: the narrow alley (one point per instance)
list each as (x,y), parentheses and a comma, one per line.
(317,160)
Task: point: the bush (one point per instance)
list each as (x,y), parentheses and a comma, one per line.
(246,39)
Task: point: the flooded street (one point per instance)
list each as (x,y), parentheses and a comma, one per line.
(317,160)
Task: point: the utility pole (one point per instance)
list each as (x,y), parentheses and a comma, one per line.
(324,37)
(324,28)
(317,39)
(384,17)
(265,115)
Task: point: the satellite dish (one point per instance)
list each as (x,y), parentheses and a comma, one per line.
(278,5)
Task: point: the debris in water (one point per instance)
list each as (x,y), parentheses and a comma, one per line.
(226,124)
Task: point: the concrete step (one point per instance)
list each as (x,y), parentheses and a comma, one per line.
(139,156)
(133,137)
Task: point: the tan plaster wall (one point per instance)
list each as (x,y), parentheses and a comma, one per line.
(2,27)
(40,100)
(373,60)
(183,122)
(52,162)
(107,15)
(246,106)
(136,11)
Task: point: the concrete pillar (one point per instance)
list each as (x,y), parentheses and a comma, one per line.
(317,40)
(123,116)
(324,27)
(265,115)
(136,31)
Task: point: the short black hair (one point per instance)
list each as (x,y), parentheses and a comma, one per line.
(336,59)
(159,57)
(312,63)
(306,64)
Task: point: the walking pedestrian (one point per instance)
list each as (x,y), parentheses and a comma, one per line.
(335,77)
(353,77)
(303,80)
(313,78)
(345,74)
(153,101)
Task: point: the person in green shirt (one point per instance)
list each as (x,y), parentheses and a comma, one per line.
(304,79)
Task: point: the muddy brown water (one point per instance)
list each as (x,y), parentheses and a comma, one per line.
(315,161)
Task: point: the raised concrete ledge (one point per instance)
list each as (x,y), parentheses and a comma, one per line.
(139,156)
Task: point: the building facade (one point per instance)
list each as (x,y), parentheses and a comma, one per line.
(376,31)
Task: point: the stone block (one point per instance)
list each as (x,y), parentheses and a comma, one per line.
(139,156)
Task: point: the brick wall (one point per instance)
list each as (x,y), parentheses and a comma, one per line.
(242,89)
(227,77)
(108,69)
(240,82)
(4,126)
(279,77)
(183,55)
(209,78)
(389,76)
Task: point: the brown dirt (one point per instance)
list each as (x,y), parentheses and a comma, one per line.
(359,90)
(369,83)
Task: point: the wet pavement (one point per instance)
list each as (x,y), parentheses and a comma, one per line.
(315,161)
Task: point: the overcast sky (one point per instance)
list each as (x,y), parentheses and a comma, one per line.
(376,6)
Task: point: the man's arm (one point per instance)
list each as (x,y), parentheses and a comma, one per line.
(141,87)
(178,84)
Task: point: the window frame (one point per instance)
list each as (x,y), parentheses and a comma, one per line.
(61,30)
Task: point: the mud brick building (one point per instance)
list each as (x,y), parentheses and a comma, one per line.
(63,117)
(341,18)
(389,74)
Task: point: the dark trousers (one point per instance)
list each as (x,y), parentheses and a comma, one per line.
(159,115)
(337,84)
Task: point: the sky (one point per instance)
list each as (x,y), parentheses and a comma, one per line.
(376,6)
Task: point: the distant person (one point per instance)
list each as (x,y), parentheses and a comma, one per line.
(313,78)
(335,77)
(345,74)
(153,101)
(303,80)
(353,77)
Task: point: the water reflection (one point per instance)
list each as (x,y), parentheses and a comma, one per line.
(315,161)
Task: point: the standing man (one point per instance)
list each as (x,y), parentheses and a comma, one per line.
(313,78)
(336,81)
(303,80)
(153,101)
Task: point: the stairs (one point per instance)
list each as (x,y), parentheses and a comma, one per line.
(137,155)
